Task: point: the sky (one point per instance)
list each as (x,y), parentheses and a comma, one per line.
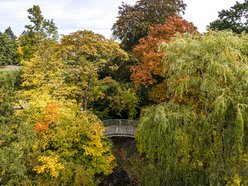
(96,15)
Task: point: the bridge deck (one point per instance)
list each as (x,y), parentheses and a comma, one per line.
(120,128)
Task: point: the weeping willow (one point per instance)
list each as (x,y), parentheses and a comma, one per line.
(200,136)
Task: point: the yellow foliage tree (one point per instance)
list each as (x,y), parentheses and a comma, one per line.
(44,72)
(67,140)
(50,164)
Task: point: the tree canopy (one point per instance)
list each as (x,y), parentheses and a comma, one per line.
(235,19)
(149,71)
(8,48)
(39,30)
(10,33)
(43,72)
(190,88)
(86,53)
(64,145)
(68,143)
(134,21)
(199,136)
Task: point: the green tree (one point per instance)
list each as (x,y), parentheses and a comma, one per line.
(16,137)
(8,50)
(134,21)
(234,19)
(45,28)
(39,30)
(199,137)
(7,94)
(124,102)
(10,33)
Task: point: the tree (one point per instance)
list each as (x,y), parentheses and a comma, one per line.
(39,30)
(15,137)
(8,50)
(199,136)
(69,146)
(7,95)
(51,142)
(10,33)
(44,72)
(124,102)
(134,21)
(86,53)
(149,72)
(234,19)
(118,68)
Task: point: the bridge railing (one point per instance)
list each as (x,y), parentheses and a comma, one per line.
(120,122)
(120,127)
(115,132)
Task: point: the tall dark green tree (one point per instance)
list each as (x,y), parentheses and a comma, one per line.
(8,50)
(39,30)
(134,21)
(10,33)
(200,135)
(235,19)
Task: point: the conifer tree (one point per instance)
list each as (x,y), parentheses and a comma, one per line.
(8,48)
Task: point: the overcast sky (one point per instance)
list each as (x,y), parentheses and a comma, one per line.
(96,15)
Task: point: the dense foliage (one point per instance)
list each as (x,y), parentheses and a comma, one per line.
(69,145)
(15,137)
(148,72)
(190,88)
(134,21)
(199,136)
(85,55)
(64,145)
(40,29)
(8,48)
(235,19)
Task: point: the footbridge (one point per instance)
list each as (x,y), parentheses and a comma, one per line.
(120,127)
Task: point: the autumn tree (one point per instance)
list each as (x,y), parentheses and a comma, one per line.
(85,54)
(149,72)
(235,19)
(65,145)
(44,72)
(199,136)
(63,72)
(133,22)
(39,29)
(50,141)
(70,147)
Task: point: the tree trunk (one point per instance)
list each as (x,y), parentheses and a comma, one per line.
(85,103)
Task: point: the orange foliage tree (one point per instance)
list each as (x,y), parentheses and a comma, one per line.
(50,115)
(149,71)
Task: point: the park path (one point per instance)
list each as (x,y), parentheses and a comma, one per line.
(10,68)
